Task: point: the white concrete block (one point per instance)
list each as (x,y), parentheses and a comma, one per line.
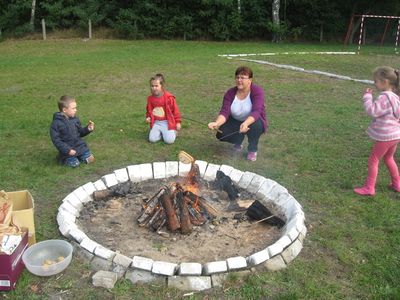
(202,167)
(65,217)
(99,185)
(89,188)
(235,175)
(265,188)
(274,249)
(190,269)
(142,263)
(226,169)
(247,177)
(146,170)
(159,170)
(164,268)
(134,173)
(284,241)
(256,183)
(215,267)
(184,169)
(236,263)
(104,253)
(276,191)
(74,201)
(258,257)
(69,209)
(211,172)
(171,169)
(65,228)
(110,180)
(89,245)
(77,234)
(82,195)
(291,231)
(121,175)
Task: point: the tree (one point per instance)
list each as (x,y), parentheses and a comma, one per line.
(32,22)
(276,21)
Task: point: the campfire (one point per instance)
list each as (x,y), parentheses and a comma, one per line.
(178,206)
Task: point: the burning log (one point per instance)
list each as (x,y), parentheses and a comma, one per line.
(149,208)
(168,205)
(186,225)
(203,204)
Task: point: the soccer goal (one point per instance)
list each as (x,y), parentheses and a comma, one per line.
(361,19)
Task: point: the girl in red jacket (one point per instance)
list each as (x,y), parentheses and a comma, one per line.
(162,112)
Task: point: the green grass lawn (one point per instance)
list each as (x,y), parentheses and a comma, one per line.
(316,147)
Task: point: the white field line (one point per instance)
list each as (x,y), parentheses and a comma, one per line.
(293,68)
(286,53)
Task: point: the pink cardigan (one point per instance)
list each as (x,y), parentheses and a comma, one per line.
(385,110)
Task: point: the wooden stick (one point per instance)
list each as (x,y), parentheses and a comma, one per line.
(259,221)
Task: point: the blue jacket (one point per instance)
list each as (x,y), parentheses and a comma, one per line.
(66,134)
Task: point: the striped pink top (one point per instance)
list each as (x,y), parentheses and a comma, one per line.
(385,110)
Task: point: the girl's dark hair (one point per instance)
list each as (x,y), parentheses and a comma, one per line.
(389,74)
(159,77)
(244,71)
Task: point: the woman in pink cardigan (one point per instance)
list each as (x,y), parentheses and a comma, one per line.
(384,128)
(242,114)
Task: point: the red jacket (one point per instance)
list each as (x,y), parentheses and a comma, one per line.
(172,112)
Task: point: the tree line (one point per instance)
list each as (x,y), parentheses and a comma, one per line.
(276,20)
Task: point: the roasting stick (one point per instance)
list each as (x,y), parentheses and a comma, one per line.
(198,122)
(259,221)
(225,136)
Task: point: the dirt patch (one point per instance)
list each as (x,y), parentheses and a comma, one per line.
(113,224)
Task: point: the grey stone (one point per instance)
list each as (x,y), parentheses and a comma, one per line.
(276,263)
(292,251)
(190,283)
(141,276)
(99,264)
(104,279)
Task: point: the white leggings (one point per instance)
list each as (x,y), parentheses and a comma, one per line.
(160,131)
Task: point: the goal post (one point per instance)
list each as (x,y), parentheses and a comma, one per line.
(362,29)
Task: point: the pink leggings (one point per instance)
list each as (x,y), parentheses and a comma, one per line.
(385,150)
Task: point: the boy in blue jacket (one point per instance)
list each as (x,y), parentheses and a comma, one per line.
(66,133)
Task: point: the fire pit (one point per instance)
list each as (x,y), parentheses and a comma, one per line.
(226,242)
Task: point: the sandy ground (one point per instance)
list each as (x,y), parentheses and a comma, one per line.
(113,224)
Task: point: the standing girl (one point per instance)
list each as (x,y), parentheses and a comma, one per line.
(384,128)
(162,112)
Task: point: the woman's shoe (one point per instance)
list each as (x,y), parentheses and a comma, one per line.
(238,147)
(252,156)
(364,191)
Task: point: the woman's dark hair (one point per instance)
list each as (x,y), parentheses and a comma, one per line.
(244,71)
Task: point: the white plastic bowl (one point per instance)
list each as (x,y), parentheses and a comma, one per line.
(37,257)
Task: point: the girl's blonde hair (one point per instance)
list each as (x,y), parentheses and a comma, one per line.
(159,77)
(390,74)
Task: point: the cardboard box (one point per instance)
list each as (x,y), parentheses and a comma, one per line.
(23,212)
(12,265)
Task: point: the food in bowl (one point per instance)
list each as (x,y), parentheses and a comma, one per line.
(48,257)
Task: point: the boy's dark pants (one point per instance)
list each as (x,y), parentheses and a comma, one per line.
(232,125)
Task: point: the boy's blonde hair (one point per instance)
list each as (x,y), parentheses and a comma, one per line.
(390,74)
(65,101)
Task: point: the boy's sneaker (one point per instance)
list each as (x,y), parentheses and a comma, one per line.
(237,147)
(90,159)
(252,156)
